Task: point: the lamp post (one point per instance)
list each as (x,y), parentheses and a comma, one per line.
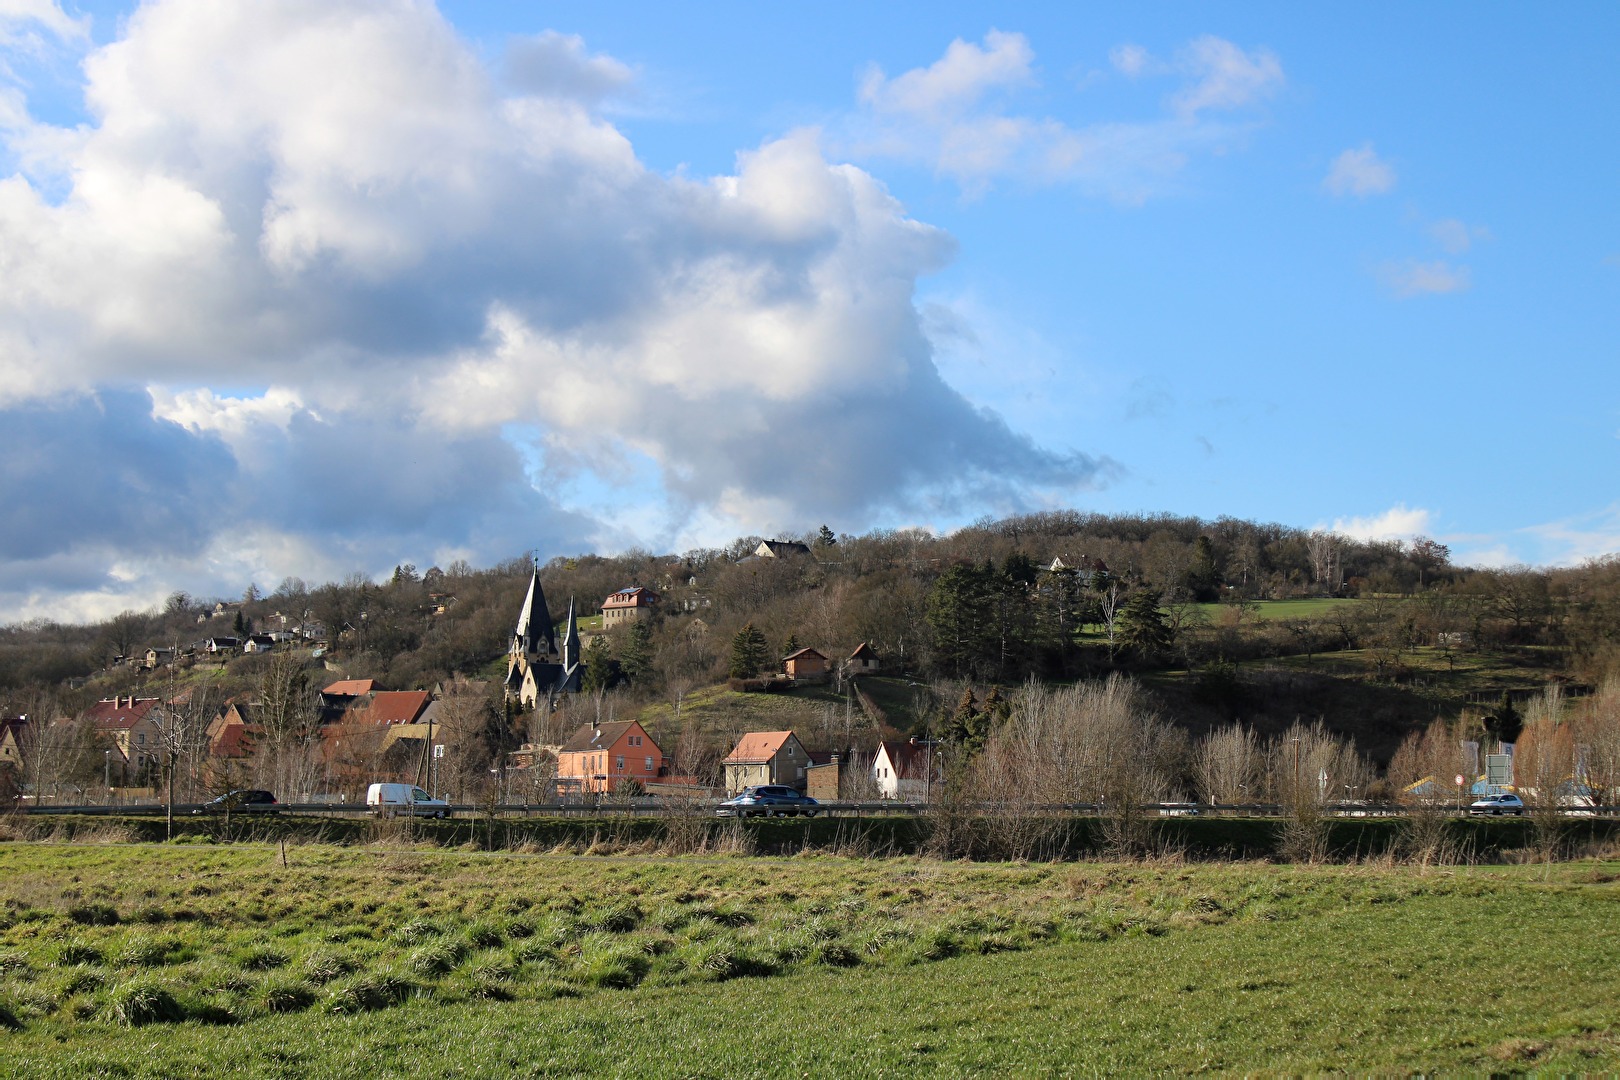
(106,772)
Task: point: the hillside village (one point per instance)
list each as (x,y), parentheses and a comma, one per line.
(882,666)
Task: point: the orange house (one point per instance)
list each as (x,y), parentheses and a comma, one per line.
(601,757)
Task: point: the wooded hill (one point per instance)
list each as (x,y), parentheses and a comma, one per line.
(1222,620)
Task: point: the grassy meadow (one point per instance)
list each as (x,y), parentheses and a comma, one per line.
(179,960)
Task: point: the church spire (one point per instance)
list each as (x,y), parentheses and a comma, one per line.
(534,634)
(570,640)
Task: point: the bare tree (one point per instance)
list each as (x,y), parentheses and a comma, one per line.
(1229,766)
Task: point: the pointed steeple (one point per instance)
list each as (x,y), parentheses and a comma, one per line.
(534,635)
(570,640)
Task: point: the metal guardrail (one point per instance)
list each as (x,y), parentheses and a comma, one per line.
(650,807)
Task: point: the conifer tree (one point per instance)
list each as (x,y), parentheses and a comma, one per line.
(749,652)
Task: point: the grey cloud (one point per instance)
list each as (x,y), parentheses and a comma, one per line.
(104,471)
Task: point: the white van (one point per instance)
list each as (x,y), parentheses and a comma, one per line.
(386,800)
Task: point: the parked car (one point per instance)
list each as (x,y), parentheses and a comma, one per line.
(386,800)
(243,800)
(1498,805)
(768,800)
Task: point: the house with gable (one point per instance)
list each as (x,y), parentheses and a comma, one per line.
(903,770)
(780,549)
(599,758)
(129,726)
(627,605)
(863,661)
(806,666)
(766,757)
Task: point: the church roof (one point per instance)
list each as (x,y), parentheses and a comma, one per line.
(534,620)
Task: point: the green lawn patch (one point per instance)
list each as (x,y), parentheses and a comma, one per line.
(404,963)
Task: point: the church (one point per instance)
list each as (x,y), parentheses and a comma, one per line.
(538,667)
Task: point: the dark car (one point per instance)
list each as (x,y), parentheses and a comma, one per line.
(768,800)
(251,800)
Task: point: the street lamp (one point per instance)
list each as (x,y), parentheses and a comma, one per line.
(106,772)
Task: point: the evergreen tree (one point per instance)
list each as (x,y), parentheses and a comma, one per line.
(1505,723)
(599,673)
(965,720)
(636,651)
(240,625)
(1142,626)
(959,614)
(749,652)
(1203,577)
(826,538)
(996,709)
(791,645)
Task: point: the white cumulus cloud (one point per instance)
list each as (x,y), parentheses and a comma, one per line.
(1414,277)
(348,263)
(1360,172)
(1399,522)
(959,116)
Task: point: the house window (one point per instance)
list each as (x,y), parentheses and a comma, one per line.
(647,767)
(141,739)
(619,763)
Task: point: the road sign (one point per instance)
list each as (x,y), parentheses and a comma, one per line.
(1459,780)
(1499,770)
(438,750)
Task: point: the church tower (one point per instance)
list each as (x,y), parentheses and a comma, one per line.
(536,665)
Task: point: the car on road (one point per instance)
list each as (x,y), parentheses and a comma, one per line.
(386,800)
(242,800)
(768,800)
(1498,805)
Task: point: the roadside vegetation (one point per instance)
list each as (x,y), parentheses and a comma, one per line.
(349,962)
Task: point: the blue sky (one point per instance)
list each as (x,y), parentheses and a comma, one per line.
(427,284)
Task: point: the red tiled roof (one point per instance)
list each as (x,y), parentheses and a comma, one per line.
(757,746)
(393,707)
(601,737)
(910,760)
(804,654)
(117,714)
(351,687)
(863,651)
(631,597)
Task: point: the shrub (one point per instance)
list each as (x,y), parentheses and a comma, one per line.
(82,980)
(483,935)
(617,968)
(262,959)
(364,993)
(76,952)
(617,919)
(436,959)
(137,1003)
(417,930)
(143,952)
(323,967)
(285,996)
(94,915)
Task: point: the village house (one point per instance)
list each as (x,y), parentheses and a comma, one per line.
(11,741)
(627,605)
(129,727)
(780,549)
(806,666)
(830,775)
(600,759)
(156,658)
(766,757)
(901,770)
(258,643)
(863,661)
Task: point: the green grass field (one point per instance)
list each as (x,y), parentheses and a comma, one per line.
(193,960)
(1273,610)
